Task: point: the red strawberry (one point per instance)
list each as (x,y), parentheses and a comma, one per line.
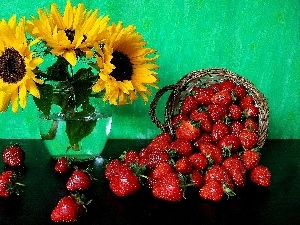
(250,158)
(197,179)
(112,168)
(235,112)
(217,112)
(124,183)
(204,137)
(251,111)
(154,158)
(178,119)
(222,98)
(160,142)
(227,85)
(63,165)
(79,180)
(219,130)
(168,188)
(236,127)
(248,139)
(214,190)
(239,91)
(183,147)
(162,169)
(203,96)
(215,87)
(5,180)
(229,142)
(251,124)
(68,209)
(219,173)
(183,165)
(199,161)
(13,155)
(204,118)
(129,157)
(261,176)
(188,104)
(246,101)
(188,130)
(212,152)
(237,171)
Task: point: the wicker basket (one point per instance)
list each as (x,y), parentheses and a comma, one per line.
(202,78)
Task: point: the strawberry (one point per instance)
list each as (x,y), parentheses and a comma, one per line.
(251,111)
(161,170)
(222,98)
(129,157)
(183,147)
(206,122)
(217,112)
(197,179)
(9,184)
(250,158)
(246,101)
(237,171)
(215,87)
(204,137)
(248,139)
(251,124)
(112,168)
(199,161)
(203,96)
(63,165)
(178,119)
(13,155)
(79,180)
(219,130)
(239,91)
(68,209)
(212,152)
(227,85)
(188,130)
(160,142)
(214,190)
(188,104)
(154,158)
(168,188)
(236,127)
(183,165)
(219,173)
(124,183)
(229,142)
(235,112)
(261,176)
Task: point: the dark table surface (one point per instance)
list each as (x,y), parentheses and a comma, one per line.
(278,204)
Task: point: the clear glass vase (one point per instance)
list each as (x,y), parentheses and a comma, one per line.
(77,136)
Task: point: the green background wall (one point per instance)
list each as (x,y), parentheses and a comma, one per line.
(258,39)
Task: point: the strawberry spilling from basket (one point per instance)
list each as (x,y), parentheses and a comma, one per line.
(214,128)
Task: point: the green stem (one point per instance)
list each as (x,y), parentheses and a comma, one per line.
(52,131)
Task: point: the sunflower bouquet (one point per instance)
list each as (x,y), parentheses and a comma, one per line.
(78,51)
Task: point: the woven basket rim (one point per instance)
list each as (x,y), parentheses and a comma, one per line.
(186,83)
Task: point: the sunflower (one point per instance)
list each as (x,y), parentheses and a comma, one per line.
(125,66)
(17,63)
(70,34)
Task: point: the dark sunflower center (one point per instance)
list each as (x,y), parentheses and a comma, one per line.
(12,66)
(123,70)
(71,34)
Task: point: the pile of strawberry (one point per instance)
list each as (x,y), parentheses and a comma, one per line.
(214,149)
(13,158)
(71,207)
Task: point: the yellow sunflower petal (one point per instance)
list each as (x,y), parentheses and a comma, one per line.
(70,56)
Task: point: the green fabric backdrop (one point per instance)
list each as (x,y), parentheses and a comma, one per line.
(258,39)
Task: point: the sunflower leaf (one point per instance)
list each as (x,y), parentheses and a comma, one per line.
(45,101)
(79,129)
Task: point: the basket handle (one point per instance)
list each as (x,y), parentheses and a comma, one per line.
(153,106)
